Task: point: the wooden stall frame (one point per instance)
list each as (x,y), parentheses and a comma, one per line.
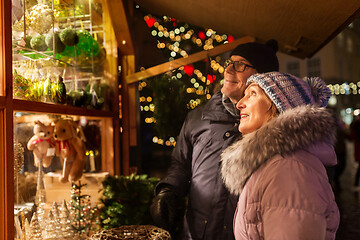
(196,57)
(119,13)
(6,125)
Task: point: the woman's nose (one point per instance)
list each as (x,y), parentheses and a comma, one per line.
(240,104)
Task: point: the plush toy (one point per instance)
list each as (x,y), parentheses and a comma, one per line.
(70,148)
(42,144)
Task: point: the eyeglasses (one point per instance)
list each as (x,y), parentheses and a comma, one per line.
(237,65)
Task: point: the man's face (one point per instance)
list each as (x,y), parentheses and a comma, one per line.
(234,82)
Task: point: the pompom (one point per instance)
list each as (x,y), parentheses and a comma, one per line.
(319,90)
(273,44)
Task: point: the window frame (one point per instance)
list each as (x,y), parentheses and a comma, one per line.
(6,125)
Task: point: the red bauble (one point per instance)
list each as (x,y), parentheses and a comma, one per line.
(150,21)
(230,38)
(189,69)
(201,35)
(211,78)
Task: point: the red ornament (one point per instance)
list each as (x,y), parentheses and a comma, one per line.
(230,38)
(189,69)
(173,21)
(150,21)
(211,78)
(201,35)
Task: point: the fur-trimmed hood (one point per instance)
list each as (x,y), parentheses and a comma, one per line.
(294,129)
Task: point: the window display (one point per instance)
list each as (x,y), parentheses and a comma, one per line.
(59,54)
(64,84)
(51,154)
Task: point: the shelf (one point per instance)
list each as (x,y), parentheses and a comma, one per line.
(30,106)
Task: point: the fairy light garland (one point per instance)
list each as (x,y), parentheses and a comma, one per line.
(169,39)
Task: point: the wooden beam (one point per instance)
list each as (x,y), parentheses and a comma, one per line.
(107,146)
(168,66)
(29,106)
(127,66)
(117,13)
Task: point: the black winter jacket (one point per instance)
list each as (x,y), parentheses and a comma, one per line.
(195,171)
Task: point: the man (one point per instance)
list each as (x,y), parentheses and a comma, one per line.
(206,132)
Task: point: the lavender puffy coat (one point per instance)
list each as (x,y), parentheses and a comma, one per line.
(279,173)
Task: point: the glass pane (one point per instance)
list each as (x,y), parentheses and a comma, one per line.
(50,150)
(59,54)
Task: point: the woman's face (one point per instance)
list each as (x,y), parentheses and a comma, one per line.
(255,109)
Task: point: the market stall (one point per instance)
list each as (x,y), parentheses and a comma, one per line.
(68,89)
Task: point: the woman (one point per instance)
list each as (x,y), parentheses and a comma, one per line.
(278,166)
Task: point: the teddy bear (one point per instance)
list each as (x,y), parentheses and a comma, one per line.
(70,148)
(42,144)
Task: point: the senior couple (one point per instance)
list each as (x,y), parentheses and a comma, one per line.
(251,162)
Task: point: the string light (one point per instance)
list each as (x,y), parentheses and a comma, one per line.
(169,34)
(345,88)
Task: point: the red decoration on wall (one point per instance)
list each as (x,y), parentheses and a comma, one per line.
(189,69)
(230,38)
(202,35)
(211,78)
(150,21)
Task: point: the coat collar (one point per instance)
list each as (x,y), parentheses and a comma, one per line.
(297,128)
(215,110)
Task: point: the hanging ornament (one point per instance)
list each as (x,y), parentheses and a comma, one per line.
(69,37)
(211,78)
(69,51)
(230,38)
(41,18)
(201,35)
(86,46)
(174,21)
(189,69)
(150,21)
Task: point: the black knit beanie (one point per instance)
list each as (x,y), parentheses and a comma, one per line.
(261,56)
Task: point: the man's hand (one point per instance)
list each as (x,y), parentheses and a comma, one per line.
(165,209)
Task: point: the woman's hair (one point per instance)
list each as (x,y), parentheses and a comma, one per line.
(273,110)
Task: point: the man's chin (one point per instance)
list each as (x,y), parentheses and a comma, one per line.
(233,99)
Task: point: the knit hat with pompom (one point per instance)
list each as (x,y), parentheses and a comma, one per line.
(288,91)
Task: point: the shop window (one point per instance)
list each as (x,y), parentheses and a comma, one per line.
(313,67)
(47,149)
(63,105)
(293,68)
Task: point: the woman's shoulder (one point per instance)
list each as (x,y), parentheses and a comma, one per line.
(284,177)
